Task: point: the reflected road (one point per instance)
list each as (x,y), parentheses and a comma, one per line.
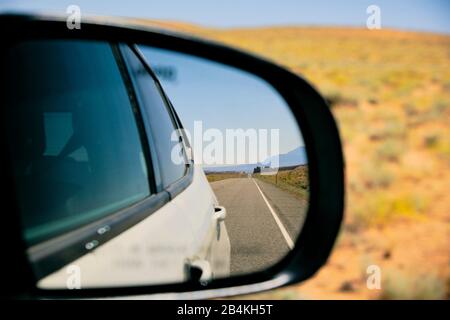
(257,239)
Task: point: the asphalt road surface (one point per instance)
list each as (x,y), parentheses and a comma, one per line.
(262,222)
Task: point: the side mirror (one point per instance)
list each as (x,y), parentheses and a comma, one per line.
(147,162)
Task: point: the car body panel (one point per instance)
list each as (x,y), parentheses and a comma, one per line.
(157,249)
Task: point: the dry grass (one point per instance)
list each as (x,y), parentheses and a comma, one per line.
(390,94)
(222,176)
(295,181)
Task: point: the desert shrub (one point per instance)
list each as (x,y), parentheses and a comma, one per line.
(394,129)
(349,122)
(295,180)
(390,150)
(376,176)
(335,98)
(438,143)
(410,109)
(372,101)
(440,106)
(431,141)
(433,110)
(443,149)
(397,285)
(379,208)
(212,177)
(297,177)
(423,103)
(390,129)
(403,81)
(446,85)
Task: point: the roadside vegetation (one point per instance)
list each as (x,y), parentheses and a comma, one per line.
(294,180)
(216,176)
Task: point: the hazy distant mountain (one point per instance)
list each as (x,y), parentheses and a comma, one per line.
(291,158)
(236,168)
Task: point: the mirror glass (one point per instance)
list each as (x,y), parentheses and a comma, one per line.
(239,125)
(135,165)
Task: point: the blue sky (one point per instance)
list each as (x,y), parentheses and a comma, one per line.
(224,98)
(422,15)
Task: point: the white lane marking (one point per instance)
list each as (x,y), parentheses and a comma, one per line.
(283,230)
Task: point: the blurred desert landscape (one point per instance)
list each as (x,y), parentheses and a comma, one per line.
(390,94)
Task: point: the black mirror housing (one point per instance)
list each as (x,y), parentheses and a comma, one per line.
(326,166)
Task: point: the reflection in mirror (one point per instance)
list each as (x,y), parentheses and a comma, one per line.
(250,147)
(112,193)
